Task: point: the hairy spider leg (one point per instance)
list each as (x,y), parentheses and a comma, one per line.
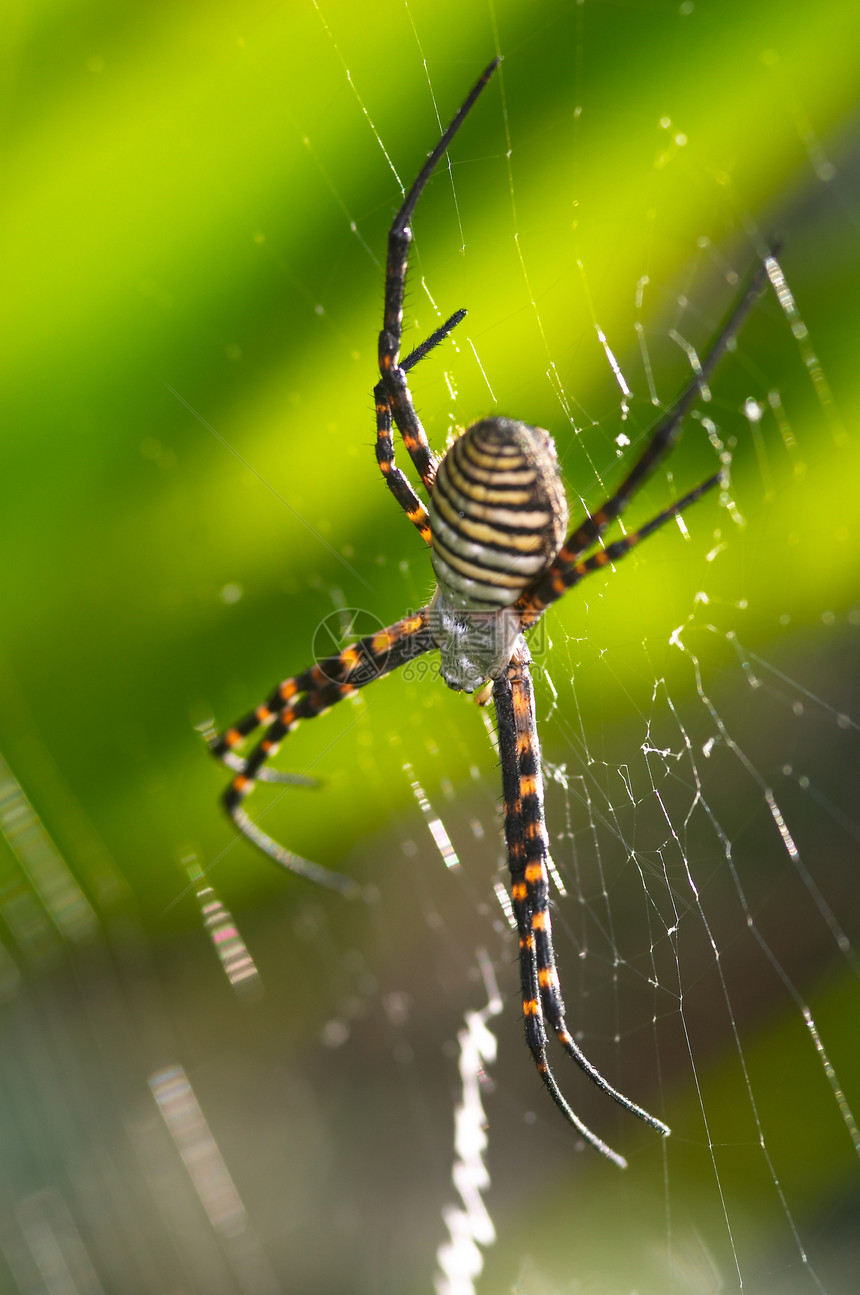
(535,1030)
(536,877)
(661,441)
(549,587)
(305,696)
(392,372)
(528,852)
(398,484)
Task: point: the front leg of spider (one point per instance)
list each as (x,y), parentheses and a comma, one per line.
(393,385)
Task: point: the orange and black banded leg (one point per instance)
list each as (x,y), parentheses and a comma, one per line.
(304,697)
(397,482)
(660,442)
(528,853)
(561,576)
(392,371)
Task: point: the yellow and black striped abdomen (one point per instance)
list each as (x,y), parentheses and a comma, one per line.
(498,512)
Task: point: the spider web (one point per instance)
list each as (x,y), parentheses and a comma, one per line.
(270,1102)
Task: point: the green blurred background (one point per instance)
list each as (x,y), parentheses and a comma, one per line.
(195,205)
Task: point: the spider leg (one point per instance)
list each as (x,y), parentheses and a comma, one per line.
(433,340)
(554,582)
(392,371)
(305,696)
(397,482)
(528,851)
(239,763)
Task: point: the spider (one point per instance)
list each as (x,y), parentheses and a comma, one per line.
(497,527)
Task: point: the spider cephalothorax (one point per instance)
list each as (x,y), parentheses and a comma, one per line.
(497,522)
